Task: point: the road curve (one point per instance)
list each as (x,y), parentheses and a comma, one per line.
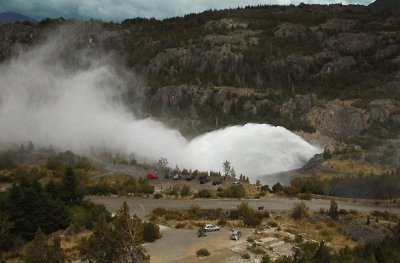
(143,206)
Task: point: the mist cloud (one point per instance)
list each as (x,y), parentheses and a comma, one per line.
(117,10)
(45,100)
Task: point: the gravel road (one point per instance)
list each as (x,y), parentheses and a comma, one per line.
(143,206)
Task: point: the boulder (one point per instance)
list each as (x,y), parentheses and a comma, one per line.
(338,65)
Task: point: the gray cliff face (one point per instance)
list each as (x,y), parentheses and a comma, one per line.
(338,120)
(335,119)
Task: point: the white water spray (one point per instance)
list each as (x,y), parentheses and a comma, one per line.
(42,101)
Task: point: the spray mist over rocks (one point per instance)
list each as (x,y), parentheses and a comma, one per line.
(43,100)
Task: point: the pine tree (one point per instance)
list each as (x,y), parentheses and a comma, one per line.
(129,234)
(57,253)
(5,235)
(39,251)
(227,167)
(101,247)
(71,192)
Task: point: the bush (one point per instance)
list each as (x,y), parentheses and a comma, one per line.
(306,196)
(185,191)
(222,222)
(249,215)
(157,195)
(180,225)
(202,252)
(159,211)
(258,251)
(299,211)
(234,214)
(265,259)
(151,232)
(251,219)
(263,214)
(233,191)
(246,256)
(333,210)
(272,224)
(265,188)
(204,194)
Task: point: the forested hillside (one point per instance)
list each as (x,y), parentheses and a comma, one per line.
(331,69)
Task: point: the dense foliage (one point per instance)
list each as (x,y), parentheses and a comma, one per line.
(385,186)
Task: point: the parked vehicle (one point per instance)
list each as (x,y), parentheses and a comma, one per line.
(236,183)
(235,235)
(177,177)
(151,176)
(167,176)
(210,227)
(217,182)
(189,178)
(204,179)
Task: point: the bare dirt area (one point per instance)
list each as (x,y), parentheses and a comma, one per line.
(180,245)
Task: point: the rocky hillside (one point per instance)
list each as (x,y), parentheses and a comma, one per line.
(391,6)
(331,71)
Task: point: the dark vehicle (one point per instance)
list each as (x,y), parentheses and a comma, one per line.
(217,182)
(189,178)
(167,176)
(205,181)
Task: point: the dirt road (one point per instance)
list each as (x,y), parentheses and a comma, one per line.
(143,206)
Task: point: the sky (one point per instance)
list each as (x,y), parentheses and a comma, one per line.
(117,10)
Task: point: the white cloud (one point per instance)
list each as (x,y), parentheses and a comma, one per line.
(121,9)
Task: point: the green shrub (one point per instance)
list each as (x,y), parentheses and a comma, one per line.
(265,259)
(151,232)
(204,194)
(157,195)
(202,252)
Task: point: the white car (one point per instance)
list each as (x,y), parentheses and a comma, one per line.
(236,234)
(177,177)
(210,228)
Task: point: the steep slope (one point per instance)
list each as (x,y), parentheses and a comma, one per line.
(387,5)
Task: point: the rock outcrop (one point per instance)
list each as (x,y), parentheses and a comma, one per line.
(337,119)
